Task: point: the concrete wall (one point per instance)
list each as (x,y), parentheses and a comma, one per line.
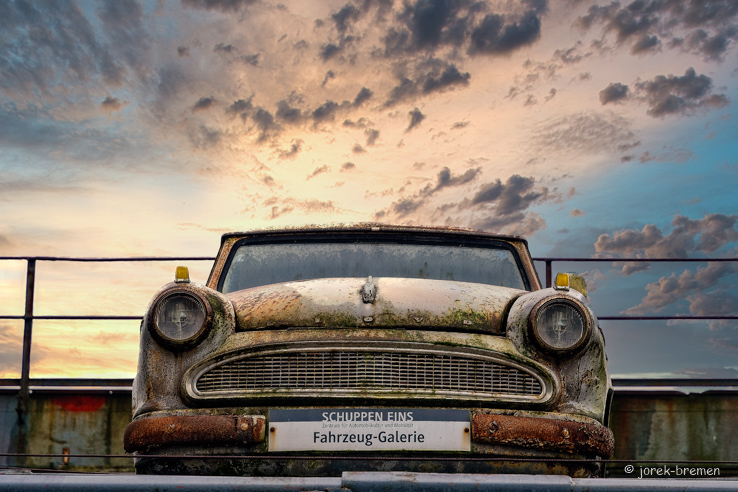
(655,425)
(83,422)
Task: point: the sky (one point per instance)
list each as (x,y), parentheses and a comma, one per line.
(596,129)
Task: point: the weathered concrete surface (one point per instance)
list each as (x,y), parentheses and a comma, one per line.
(654,425)
(662,426)
(83,423)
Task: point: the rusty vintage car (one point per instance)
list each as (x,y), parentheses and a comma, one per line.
(370,347)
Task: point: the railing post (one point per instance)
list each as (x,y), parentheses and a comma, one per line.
(549,273)
(24,393)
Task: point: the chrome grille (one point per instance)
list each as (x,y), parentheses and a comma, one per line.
(344,371)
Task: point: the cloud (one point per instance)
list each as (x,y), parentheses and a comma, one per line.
(55,45)
(224,48)
(687,237)
(678,95)
(288,114)
(701,27)
(515,195)
(293,150)
(691,286)
(224,6)
(444,179)
(371,136)
(415,118)
(329,51)
(203,103)
(363,96)
(325,112)
(496,206)
(111,104)
(493,36)
(585,132)
(241,107)
(265,122)
(347,166)
(613,93)
(319,170)
(428,77)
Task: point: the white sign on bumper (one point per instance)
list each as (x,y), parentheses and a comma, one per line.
(369,429)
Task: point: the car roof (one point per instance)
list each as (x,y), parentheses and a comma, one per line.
(375,227)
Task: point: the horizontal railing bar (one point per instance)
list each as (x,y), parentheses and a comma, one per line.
(638,260)
(77,317)
(669,318)
(62,382)
(110,259)
(681,382)
(211,258)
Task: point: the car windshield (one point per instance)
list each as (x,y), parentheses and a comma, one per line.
(258,264)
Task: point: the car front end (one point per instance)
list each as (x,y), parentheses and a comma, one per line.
(316,351)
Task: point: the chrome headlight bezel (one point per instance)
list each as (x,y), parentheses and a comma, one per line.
(195,334)
(536,325)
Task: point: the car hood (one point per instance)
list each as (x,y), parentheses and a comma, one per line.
(397,302)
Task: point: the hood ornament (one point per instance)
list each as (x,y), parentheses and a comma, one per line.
(368,291)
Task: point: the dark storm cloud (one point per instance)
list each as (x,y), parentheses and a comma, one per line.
(431,76)
(347,14)
(203,103)
(264,122)
(325,112)
(687,237)
(644,44)
(416,116)
(613,93)
(427,25)
(708,27)
(241,107)
(363,96)
(493,36)
(330,50)
(444,179)
(224,48)
(288,114)
(524,224)
(225,6)
(678,95)
(449,77)
(517,194)
(371,136)
(111,104)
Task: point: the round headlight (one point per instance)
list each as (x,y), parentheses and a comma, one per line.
(180,317)
(560,325)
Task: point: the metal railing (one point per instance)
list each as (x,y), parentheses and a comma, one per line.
(28,316)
